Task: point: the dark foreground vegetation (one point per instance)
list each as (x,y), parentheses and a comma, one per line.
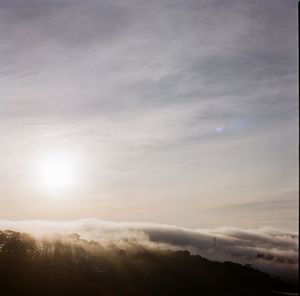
(69,265)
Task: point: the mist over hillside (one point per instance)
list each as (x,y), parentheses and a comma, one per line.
(61,264)
(271,250)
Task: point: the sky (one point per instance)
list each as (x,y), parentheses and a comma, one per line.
(172,111)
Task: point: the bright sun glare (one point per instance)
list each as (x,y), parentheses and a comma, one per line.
(56,172)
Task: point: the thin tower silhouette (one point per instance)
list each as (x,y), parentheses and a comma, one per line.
(215,242)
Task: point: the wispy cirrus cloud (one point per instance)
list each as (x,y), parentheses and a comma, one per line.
(194,104)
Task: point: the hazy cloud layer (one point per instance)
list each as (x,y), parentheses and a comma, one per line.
(270,249)
(192,103)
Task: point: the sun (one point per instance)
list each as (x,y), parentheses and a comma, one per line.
(56,172)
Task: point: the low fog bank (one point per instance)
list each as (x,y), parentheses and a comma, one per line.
(269,249)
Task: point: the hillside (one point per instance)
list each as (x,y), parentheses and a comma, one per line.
(69,265)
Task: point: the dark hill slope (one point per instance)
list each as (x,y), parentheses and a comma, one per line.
(72,266)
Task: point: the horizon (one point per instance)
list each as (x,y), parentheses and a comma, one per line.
(268,249)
